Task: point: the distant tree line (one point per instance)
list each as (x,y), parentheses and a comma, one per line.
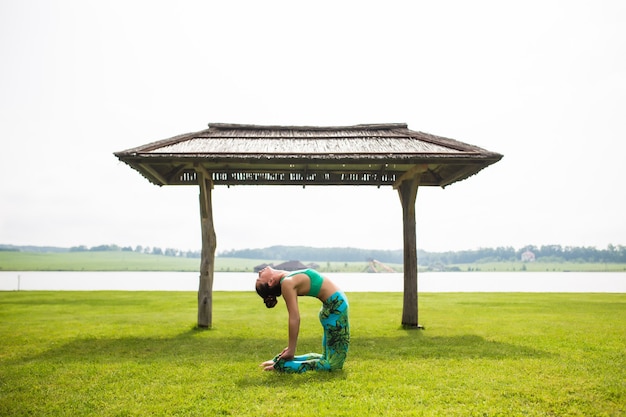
(316,254)
(545,253)
(139,249)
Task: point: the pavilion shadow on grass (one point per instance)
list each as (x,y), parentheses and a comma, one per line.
(369,154)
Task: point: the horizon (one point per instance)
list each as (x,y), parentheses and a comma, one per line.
(218,253)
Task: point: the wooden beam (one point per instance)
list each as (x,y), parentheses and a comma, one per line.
(209,243)
(410,174)
(407,191)
(155,174)
(174,175)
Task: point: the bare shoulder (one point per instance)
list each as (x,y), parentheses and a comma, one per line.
(299,283)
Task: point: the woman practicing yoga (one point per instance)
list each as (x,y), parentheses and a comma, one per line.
(272,283)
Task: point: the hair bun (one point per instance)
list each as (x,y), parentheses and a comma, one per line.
(270,301)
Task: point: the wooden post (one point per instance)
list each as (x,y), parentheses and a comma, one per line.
(209,243)
(407,190)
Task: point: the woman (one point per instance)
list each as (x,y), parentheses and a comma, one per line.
(272,283)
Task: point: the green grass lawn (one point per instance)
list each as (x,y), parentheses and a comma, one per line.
(138,354)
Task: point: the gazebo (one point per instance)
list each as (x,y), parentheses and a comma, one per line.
(368,154)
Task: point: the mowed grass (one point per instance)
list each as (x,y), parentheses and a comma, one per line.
(132,261)
(138,354)
(540,266)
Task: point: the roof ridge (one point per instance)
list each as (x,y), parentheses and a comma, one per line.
(370,126)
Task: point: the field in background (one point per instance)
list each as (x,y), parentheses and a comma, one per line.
(133,261)
(540,267)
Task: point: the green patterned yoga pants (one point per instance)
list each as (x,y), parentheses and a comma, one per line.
(334,319)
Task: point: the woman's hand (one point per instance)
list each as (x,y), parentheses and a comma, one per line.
(287,354)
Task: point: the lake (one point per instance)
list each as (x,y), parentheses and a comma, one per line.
(604,282)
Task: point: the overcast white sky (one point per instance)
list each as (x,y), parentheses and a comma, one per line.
(542,82)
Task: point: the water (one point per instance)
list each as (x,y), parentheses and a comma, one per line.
(604,282)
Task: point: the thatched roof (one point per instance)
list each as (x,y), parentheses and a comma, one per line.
(374,154)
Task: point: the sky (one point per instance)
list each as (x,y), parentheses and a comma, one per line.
(541,82)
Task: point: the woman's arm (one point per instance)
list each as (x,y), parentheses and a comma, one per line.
(290,295)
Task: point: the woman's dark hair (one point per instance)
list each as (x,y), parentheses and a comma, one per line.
(269,294)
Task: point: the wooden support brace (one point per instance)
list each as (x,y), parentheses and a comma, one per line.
(154,173)
(176,173)
(414,172)
(206,174)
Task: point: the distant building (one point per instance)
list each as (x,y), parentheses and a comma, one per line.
(287,266)
(528,256)
(259,267)
(290,266)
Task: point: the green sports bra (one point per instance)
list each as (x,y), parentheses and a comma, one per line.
(315,278)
